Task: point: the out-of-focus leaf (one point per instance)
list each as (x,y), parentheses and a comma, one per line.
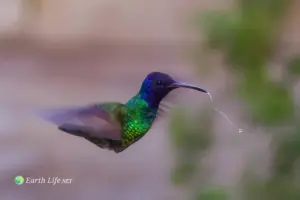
(183,172)
(287,154)
(294,66)
(280,187)
(252,41)
(212,194)
(191,133)
(219,27)
(178,128)
(270,104)
(273,8)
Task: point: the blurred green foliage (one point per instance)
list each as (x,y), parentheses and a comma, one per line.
(247,36)
(195,137)
(191,135)
(294,66)
(212,194)
(270,103)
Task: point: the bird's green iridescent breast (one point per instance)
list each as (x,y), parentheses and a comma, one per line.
(138,120)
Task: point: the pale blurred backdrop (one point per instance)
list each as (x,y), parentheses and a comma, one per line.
(74,52)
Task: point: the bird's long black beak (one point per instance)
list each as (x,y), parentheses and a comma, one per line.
(185,85)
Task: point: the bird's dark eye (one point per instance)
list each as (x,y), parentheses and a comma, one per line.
(159,83)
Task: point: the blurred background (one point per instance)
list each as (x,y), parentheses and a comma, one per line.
(72,52)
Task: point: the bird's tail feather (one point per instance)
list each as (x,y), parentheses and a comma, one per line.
(74,129)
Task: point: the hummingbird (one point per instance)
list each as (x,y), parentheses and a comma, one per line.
(113,125)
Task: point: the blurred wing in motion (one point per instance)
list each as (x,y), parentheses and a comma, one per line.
(101,121)
(165,105)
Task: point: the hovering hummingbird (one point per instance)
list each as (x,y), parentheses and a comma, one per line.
(116,126)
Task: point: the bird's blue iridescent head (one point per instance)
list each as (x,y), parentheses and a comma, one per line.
(158,85)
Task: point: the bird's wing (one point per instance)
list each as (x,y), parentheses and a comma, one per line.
(165,106)
(97,120)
